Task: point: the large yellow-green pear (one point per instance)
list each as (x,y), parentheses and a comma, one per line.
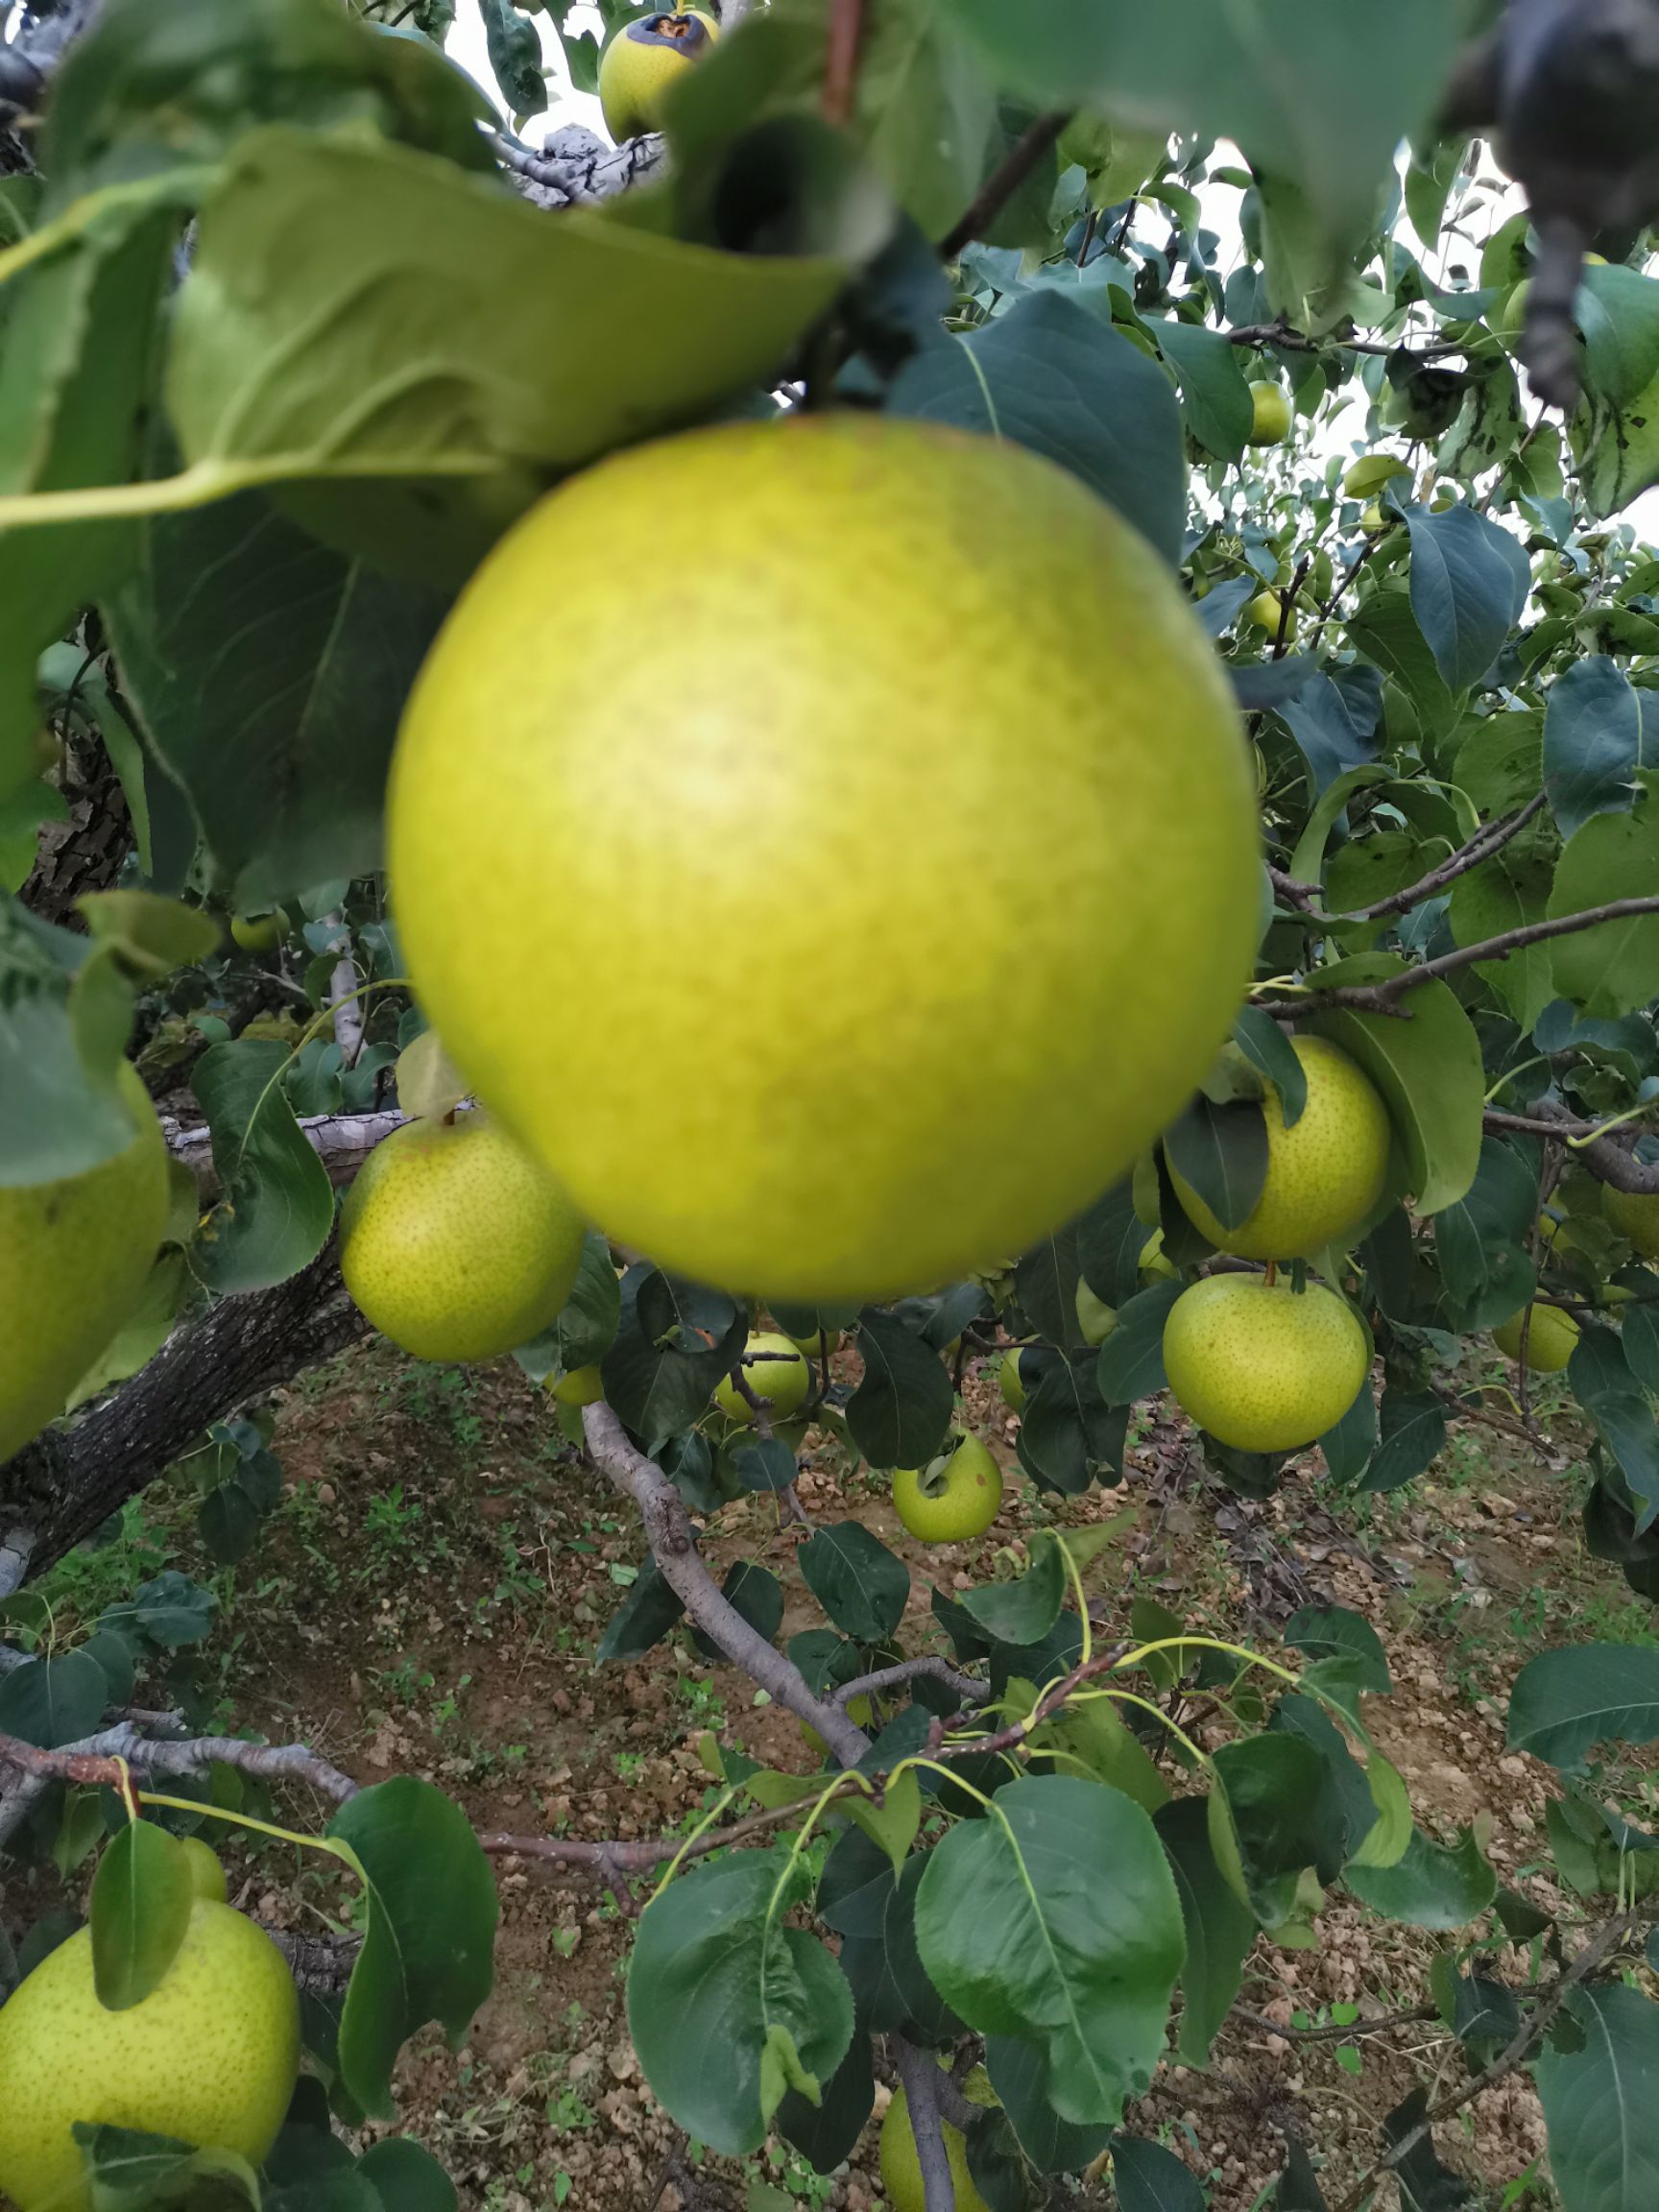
(1045,879)
(1634,1215)
(1261,1366)
(775,1368)
(211,2057)
(1270,413)
(642,65)
(901,2166)
(74,1255)
(455,1242)
(1325,1172)
(1550,1340)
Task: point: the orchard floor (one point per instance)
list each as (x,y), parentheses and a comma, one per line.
(427,1599)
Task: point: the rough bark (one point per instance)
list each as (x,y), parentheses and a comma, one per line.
(63,1487)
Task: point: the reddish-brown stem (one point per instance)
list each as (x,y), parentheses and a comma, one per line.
(841,60)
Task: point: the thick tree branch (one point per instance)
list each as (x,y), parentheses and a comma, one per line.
(673,1546)
(1003,182)
(576,168)
(1606,1157)
(64,1485)
(919,2072)
(342,1142)
(930,1665)
(93,1761)
(1289,341)
(1384,998)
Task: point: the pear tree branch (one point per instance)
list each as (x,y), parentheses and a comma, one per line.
(1003,182)
(1384,998)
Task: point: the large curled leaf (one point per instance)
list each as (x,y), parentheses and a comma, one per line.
(270,673)
(1428,1067)
(390,266)
(1323,93)
(1566,1702)
(1023,1937)
(1600,2096)
(1052,376)
(432,1911)
(1431,1886)
(901,1411)
(1598,731)
(726,2006)
(1469,582)
(278,1205)
(140,1908)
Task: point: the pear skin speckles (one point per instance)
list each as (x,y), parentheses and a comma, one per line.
(1259,1367)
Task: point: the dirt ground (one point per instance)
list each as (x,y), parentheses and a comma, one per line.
(427,1599)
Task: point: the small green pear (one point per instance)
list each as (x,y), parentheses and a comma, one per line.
(1094,1317)
(206,1874)
(1551,1339)
(901,2164)
(1266,612)
(780,1375)
(209,2057)
(1270,413)
(1010,1383)
(957,1495)
(455,1242)
(74,1258)
(1634,1215)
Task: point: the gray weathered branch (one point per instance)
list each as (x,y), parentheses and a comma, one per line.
(1608,1158)
(673,1546)
(918,2071)
(342,1142)
(576,168)
(93,1761)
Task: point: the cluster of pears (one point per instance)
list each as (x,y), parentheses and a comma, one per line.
(781,766)
(1257,1363)
(209,2057)
(73,1255)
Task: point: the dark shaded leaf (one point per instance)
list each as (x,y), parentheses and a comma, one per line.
(1564,1703)
(1470,581)
(1052,376)
(1131,1362)
(1219,1929)
(141,1907)
(432,1911)
(859,1583)
(1598,731)
(756,1595)
(900,1413)
(1432,1886)
(645,1617)
(728,2006)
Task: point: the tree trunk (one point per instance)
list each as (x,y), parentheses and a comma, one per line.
(63,1486)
